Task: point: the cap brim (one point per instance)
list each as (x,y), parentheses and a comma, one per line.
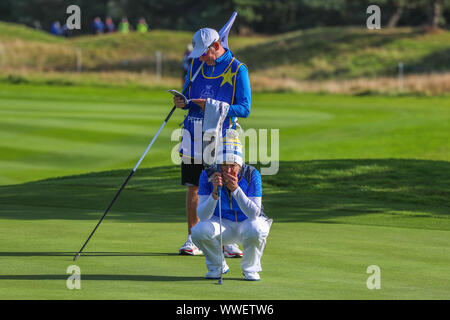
(196,53)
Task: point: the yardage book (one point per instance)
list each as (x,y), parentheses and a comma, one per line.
(180,95)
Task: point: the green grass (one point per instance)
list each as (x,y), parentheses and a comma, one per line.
(13,31)
(37,122)
(313,54)
(37,50)
(362,181)
(348,53)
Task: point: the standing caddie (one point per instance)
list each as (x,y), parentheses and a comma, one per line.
(222,82)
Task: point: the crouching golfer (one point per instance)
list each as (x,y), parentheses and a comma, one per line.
(243,218)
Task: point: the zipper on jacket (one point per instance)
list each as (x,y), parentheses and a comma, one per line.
(231,205)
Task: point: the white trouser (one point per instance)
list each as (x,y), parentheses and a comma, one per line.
(252,234)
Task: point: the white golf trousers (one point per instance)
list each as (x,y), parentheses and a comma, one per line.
(251,234)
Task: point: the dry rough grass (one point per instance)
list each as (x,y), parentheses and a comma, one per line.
(111,78)
(39,56)
(429,84)
(332,60)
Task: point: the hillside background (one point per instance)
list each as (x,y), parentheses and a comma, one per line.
(296,45)
(255,16)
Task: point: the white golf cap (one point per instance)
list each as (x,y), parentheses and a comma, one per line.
(202,40)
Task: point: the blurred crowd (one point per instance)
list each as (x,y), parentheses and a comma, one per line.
(108,26)
(100,27)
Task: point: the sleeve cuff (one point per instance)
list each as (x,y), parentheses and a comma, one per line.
(212,198)
(235,192)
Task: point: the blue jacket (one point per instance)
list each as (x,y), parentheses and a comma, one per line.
(249,182)
(226,81)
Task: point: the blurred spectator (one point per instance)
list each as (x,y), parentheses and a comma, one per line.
(97,26)
(142,26)
(65,31)
(124,26)
(109,25)
(56,29)
(37,25)
(186,61)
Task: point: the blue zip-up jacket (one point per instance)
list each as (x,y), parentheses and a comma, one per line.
(226,81)
(249,180)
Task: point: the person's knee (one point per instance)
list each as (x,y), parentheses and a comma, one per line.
(192,190)
(254,230)
(203,230)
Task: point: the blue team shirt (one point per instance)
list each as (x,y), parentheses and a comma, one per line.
(230,209)
(226,81)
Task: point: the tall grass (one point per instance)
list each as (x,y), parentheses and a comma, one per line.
(419,84)
(427,84)
(334,60)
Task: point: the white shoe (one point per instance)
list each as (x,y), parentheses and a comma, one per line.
(190,249)
(232,251)
(215,274)
(251,276)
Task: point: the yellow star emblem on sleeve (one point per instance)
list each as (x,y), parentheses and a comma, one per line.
(228,77)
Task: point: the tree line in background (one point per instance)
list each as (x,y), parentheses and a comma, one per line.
(255,16)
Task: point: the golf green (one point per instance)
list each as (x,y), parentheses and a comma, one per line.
(362,181)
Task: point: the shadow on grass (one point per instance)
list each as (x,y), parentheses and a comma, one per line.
(434,62)
(105,277)
(322,190)
(302,191)
(86,254)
